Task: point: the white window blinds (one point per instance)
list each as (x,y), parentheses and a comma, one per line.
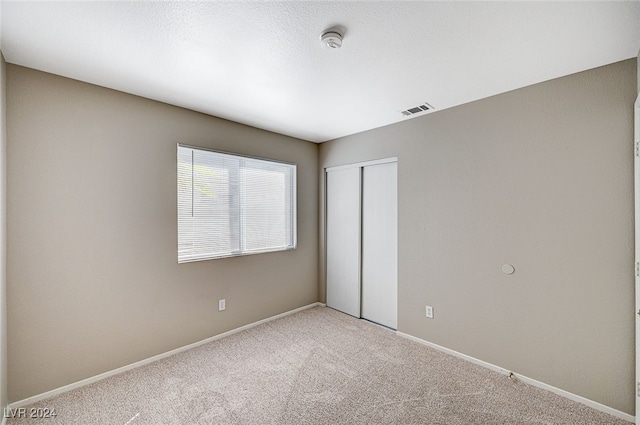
(233,205)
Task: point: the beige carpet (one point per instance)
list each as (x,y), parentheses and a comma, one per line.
(318,366)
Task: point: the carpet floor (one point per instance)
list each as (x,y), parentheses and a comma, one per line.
(317,366)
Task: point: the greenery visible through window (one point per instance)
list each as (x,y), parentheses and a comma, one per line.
(233,205)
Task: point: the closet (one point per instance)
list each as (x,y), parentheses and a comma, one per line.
(362,240)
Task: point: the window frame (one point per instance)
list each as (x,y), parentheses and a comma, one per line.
(291,199)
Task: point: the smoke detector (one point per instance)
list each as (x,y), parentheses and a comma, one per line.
(331,39)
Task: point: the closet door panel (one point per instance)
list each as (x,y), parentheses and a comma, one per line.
(343,240)
(380,244)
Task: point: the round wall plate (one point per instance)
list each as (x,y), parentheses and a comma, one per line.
(508,269)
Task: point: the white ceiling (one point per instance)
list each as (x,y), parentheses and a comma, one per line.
(261,63)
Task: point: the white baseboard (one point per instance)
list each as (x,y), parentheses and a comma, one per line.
(66,388)
(530,381)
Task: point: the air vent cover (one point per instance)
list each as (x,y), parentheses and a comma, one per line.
(417,109)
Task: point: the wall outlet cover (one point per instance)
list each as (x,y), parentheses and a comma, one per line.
(222,304)
(429,312)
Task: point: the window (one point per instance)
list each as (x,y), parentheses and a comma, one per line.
(233,205)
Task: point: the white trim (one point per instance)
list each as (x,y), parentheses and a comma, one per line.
(362,164)
(4,420)
(201,148)
(525,379)
(75,385)
(636,196)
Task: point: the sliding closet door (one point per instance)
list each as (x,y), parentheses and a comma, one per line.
(380,244)
(343,240)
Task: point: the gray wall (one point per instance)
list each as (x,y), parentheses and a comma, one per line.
(541,178)
(3,236)
(93,279)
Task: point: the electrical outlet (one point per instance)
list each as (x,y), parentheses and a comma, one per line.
(429,312)
(222,305)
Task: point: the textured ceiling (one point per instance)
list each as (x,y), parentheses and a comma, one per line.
(261,63)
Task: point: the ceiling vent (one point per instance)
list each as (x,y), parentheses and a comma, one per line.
(417,109)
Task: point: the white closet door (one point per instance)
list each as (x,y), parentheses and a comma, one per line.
(380,244)
(343,240)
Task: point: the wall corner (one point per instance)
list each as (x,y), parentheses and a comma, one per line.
(3,233)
